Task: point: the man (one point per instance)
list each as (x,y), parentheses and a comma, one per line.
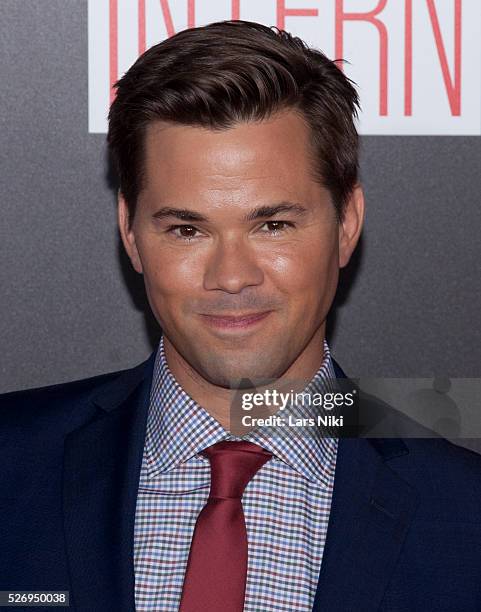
(239,201)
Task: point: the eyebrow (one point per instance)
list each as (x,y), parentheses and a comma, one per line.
(261,212)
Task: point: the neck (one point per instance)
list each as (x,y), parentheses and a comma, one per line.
(217,401)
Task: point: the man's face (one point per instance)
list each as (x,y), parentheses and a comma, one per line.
(232,224)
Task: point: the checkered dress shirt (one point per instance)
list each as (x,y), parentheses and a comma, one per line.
(286,504)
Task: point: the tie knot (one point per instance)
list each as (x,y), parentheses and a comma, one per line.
(232,466)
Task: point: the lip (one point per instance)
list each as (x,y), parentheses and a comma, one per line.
(234,322)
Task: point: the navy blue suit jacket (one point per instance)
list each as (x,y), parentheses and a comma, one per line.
(404,532)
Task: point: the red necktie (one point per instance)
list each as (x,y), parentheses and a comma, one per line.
(215,578)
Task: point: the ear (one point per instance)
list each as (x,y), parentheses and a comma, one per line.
(351,225)
(127,234)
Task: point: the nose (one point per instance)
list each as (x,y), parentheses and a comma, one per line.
(232,266)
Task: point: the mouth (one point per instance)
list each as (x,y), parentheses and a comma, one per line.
(235,322)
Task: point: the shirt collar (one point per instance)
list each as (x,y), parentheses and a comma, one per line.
(178,428)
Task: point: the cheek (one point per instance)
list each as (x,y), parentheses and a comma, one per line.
(170,273)
(303,269)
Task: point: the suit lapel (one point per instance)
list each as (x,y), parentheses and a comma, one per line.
(102,462)
(372,509)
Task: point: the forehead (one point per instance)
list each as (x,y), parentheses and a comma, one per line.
(181,158)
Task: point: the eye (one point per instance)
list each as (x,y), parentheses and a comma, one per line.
(183,232)
(277,227)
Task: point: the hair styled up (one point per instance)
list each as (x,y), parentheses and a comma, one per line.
(229,72)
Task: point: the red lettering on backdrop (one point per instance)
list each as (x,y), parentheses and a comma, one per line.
(283,12)
(453,89)
(113,32)
(141,29)
(370,17)
(169,24)
(408,58)
(113,47)
(235,9)
(191,13)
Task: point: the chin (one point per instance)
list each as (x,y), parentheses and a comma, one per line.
(239,375)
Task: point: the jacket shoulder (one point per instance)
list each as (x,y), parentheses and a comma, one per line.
(446,476)
(63,405)
(446,457)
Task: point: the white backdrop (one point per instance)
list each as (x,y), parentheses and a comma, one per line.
(417,62)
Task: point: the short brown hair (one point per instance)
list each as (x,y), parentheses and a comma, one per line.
(235,71)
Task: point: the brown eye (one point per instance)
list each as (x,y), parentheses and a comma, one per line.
(277,226)
(183,232)
(187,231)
